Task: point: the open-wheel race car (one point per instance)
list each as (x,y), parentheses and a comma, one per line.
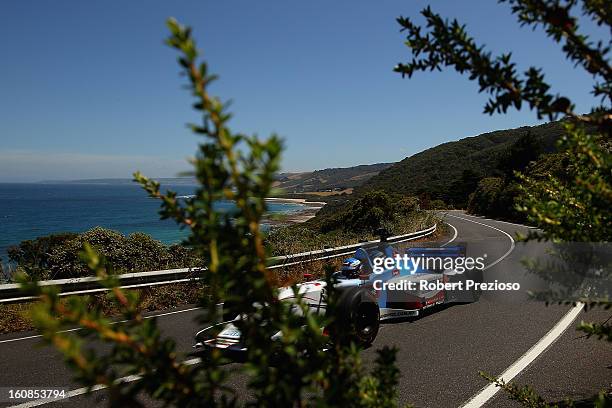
(407,288)
(370,293)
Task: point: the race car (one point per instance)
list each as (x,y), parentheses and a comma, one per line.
(407,288)
(369,294)
(357,311)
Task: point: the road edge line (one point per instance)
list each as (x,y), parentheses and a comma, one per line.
(512,243)
(454,236)
(486,393)
(36,336)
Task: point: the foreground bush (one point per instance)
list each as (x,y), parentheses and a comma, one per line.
(233,167)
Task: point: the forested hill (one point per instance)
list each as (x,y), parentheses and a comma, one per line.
(451,170)
(333,179)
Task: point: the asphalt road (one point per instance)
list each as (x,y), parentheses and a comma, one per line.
(440,353)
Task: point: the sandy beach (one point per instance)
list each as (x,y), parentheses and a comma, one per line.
(310,209)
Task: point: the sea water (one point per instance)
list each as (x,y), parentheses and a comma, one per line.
(28,211)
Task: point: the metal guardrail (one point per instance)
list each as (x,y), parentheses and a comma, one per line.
(11,293)
(288,260)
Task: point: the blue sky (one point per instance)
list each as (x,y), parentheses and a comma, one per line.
(89,90)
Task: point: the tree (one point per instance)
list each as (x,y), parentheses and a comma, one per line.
(33,256)
(461,189)
(227,166)
(497,199)
(485,198)
(369,213)
(575,207)
(525,150)
(449,45)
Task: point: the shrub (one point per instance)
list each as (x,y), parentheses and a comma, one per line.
(33,256)
(437,205)
(57,256)
(294,239)
(368,213)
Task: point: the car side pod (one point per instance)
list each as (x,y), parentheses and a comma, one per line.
(357,317)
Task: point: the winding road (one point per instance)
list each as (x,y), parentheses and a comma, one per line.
(440,353)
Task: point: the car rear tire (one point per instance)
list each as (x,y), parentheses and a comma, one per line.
(358,317)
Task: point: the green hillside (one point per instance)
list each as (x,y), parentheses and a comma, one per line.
(333,179)
(451,170)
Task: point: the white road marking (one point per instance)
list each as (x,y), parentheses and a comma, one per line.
(36,336)
(519,365)
(512,243)
(99,290)
(454,236)
(121,321)
(84,390)
(505,222)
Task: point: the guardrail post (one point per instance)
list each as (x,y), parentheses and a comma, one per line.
(383,234)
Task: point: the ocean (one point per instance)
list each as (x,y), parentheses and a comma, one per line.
(28,211)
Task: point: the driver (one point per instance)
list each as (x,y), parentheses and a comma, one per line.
(351,268)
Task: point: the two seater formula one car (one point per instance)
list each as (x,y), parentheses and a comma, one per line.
(370,294)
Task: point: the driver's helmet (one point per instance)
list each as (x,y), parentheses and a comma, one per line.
(351,268)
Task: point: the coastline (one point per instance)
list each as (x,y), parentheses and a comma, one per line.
(304,201)
(310,209)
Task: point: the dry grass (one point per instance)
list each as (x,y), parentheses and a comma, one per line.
(14,318)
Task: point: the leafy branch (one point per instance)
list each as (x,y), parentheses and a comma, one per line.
(447,44)
(293,369)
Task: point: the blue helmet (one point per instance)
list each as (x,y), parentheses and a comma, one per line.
(351,264)
(351,267)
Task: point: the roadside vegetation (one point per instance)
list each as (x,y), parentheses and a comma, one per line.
(350,221)
(18,316)
(495,196)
